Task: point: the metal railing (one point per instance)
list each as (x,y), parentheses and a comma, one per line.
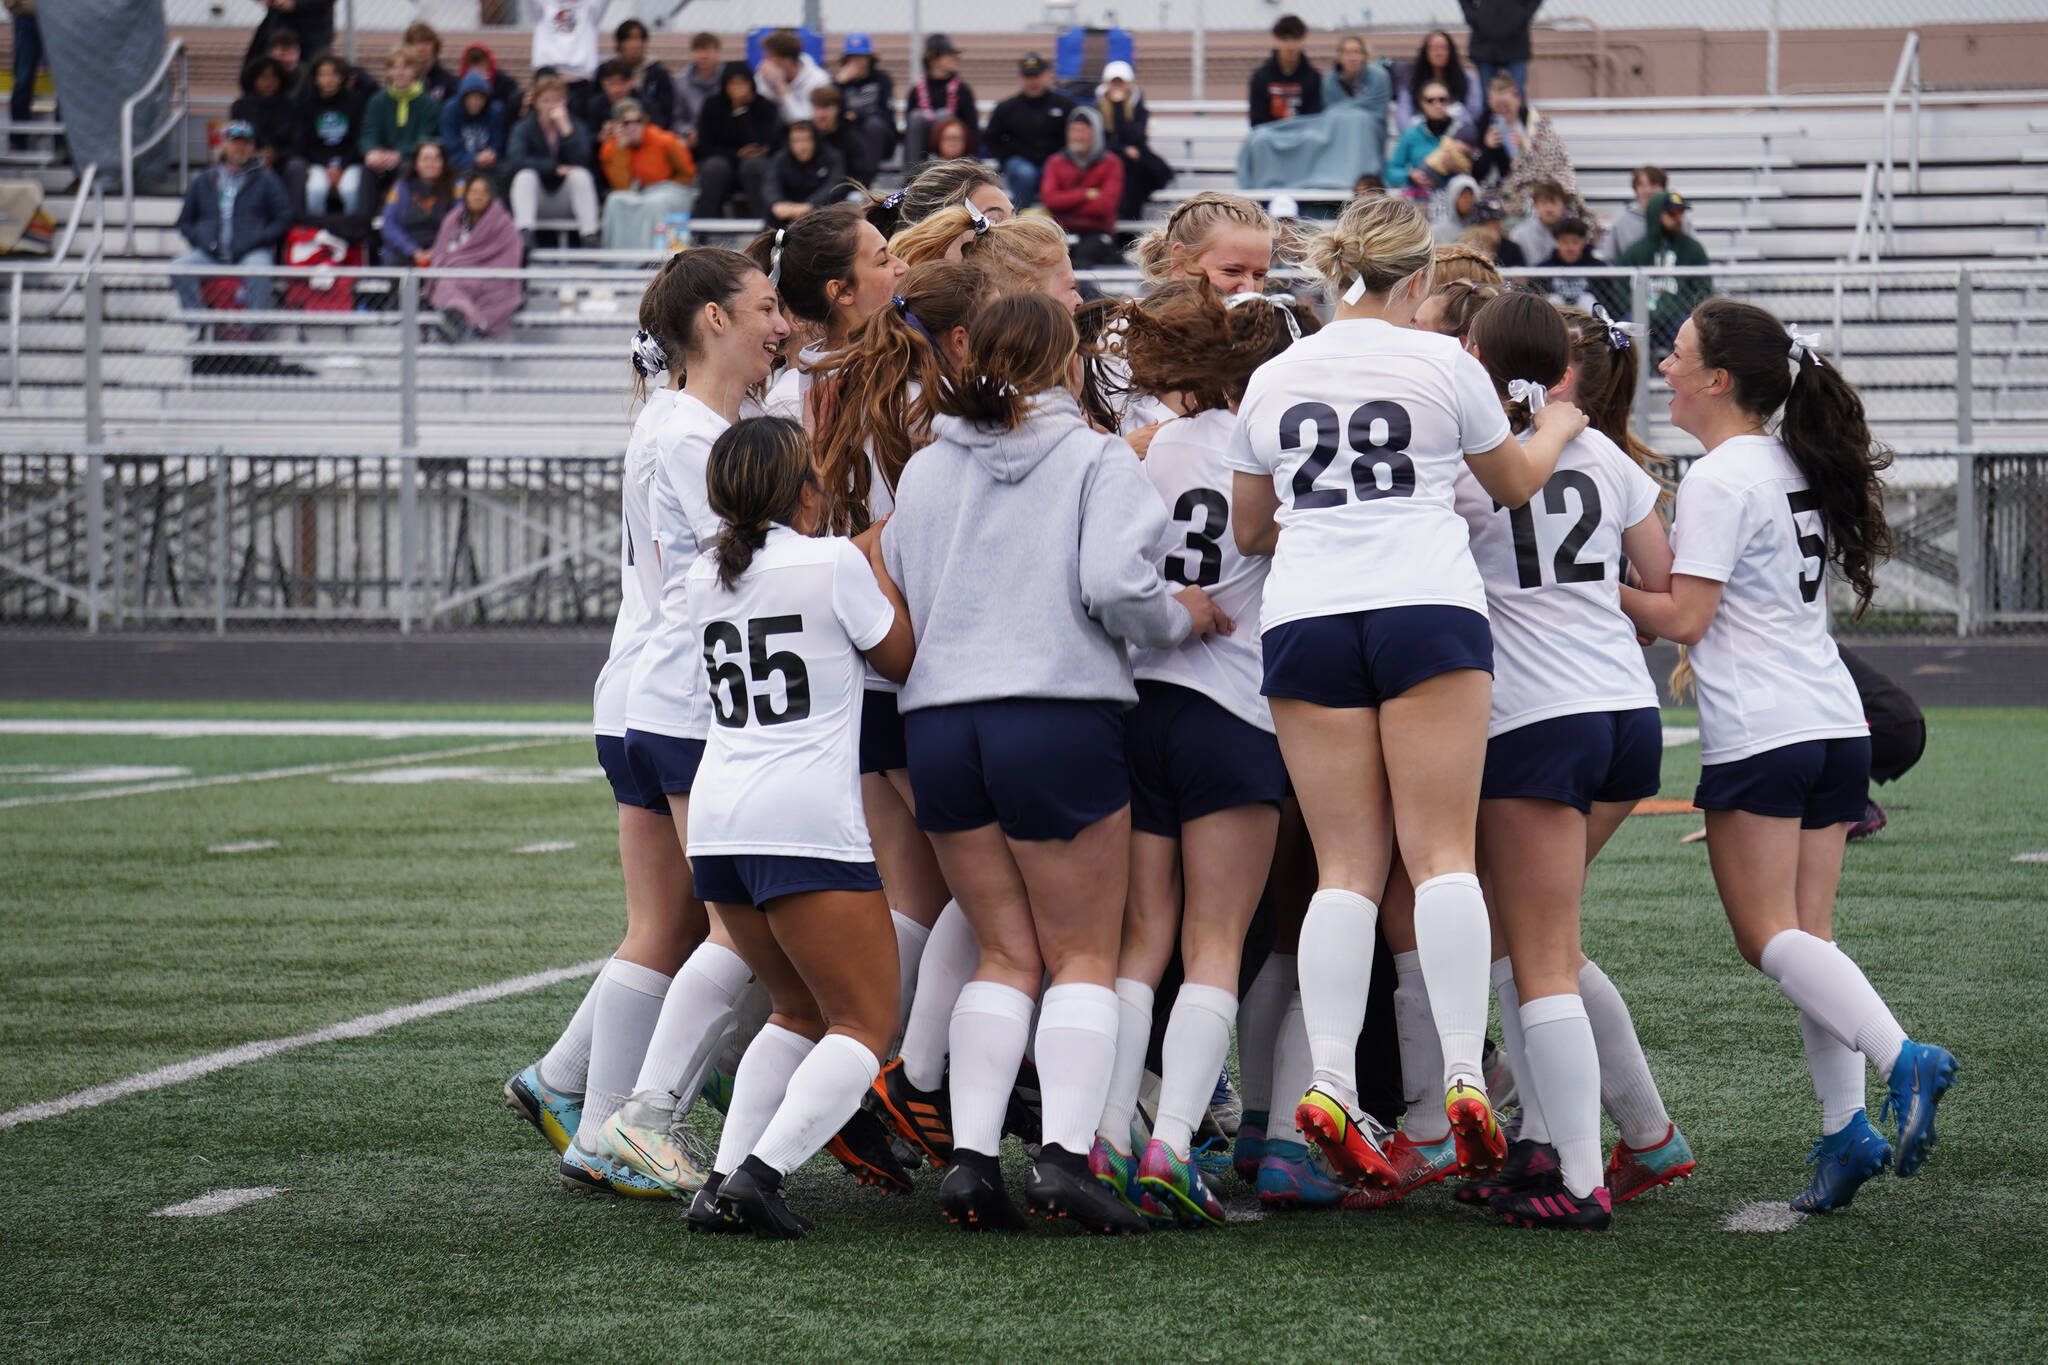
(89,192)
(174,58)
(1908,71)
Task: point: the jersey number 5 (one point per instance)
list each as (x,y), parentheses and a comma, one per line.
(1369,456)
(1566,564)
(1814,548)
(729,681)
(1204,539)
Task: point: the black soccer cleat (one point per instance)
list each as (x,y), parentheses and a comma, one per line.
(862,1147)
(754,1192)
(1020,1119)
(710,1212)
(1529,1165)
(973,1198)
(921,1117)
(1548,1204)
(1062,1187)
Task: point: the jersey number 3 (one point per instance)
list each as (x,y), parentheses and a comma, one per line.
(1388,420)
(1206,514)
(729,692)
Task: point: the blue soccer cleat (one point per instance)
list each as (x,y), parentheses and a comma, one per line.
(557,1115)
(1118,1171)
(1841,1162)
(588,1174)
(1293,1177)
(1250,1148)
(1175,1190)
(1919,1078)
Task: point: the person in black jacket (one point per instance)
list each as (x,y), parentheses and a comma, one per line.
(652,84)
(311,20)
(867,99)
(1286,85)
(937,96)
(1125,121)
(737,131)
(838,134)
(235,213)
(802,176)
(1500,38)
(1027,128)
(548,156)
(330,125)
(267,107)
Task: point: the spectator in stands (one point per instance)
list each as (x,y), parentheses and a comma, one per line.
(1572,245)
(1028,127)
(867,101)
(788,74)
(1358,82)
(416,205)
(266,107)
(1437,146)
(473,127)
(1500,38)
(1549,205)
(1629,223)
(399,117)
(284,49)
(802,176)
(478,235)
(505,92)
(565,38)
(549,156)
(1286,85)
(330,129)
(1125,126)
(1435,61)
(835,132)
(701,80)
(736,134)
(1485,234)
(950,141)
(1083,184)
(652,84)
(1519,147)
(1667,243)
(649,171)
(1329,150)
(593,110)
(28,58)
(236,212)
(1456,209)
(312,20)
(436,79)
(939,94)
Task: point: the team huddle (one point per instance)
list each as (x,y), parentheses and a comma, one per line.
(998,659)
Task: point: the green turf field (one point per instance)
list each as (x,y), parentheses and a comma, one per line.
(420,1221)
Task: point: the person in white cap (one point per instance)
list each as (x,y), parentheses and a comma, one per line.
(1124,120)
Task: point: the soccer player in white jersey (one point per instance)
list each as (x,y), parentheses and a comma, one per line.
(1785,748)
(1206,776)
(1376,651)
(833,270)
(778,846)
(1023,542)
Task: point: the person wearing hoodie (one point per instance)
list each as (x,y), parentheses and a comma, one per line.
(473,127)
(1084,183)
(701,79)
(399,117)
(788,74)
(804,175)
(330,124)
(504,90)
(653,85)
(1126,130)
(737,130)
(266,105)
(1028,127)
(1457,208)
(1022,541)
(1286,85)
(1631,223)
(1421,159)
(1665,243)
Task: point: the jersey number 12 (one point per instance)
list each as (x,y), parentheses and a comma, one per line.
(1565,564)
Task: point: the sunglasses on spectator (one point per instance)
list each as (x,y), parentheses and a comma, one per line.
(632,122)
(1435,99)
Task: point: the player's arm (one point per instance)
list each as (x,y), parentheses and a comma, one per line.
(1681,615)
(1514,472)
(1253,504)
(893,654)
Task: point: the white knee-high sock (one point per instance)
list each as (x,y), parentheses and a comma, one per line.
(911,938)
(1077,1028)
(1837,1074)
(1258,1024)
(1565,1068)
(821,1096)
(566,1066)
(1628,1092)
(950,956)
(1293,1070)
(990,1025)
(1133,1036)
(1422,1054)
(1196,1043)
(1535,1125)
(757,1091)
(1335,969)
(701,1005)
(1824,983)
(1451,935)
(623,1021)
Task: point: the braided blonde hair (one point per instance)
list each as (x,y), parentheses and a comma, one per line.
(1191,226)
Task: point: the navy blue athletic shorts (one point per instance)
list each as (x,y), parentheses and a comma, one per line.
(1190,758)
(757,878)
(1578,759)
(1819,782)
(1361,658)
(881,733)
(611,756)
(1041,768)
(662,765)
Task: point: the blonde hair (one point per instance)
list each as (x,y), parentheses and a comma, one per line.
(930,238)
(1016,253)
(1191,226)
(1381,239)
(1456,261)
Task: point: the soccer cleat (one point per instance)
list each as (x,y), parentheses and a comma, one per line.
(862,1147)
(973,1198)
(1250,1148)
(921,1117)
(1500,1077)
(1020,1119)
(602,1175)
(1638,1170)
(1841,1162)
(1475,1127)
(754,1192)
(1873,820)
(1292,1176)
(1529,1165)
(1226,1110)
(1415,1163)
(1175,1190)
(1556,1207)
(555,1114)
(1348,1140)
(1921,1075)
(645,1135)
(1118,1172)
(710,1213)
(1060,1186)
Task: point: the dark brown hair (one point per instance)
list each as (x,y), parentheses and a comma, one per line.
(1520,336)
(754,478)
(1019,345)
(1605,389)
(784,43)
(817,250)
(674,299)
(1185,338)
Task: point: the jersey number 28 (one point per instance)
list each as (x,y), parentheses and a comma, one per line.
(729,692)
(1388,421)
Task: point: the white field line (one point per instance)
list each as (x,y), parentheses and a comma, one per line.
(1676,736)
(245,846)
(242,1055)
(306,729)
(218,1201)
(547,846)
(1763,1215)
(273,774)
(2037,857)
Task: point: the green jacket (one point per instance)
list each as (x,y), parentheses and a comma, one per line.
(381,126)
(1672,298)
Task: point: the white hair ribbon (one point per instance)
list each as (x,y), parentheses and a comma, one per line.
(775,259)
(1283,304)
(1620,335)
(1802,349)
(649,356)
(1527,391)
(1355,291)
(976,216)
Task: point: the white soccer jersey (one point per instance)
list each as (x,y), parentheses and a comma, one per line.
(667,692)
(786,395)
(1767,670)
(781,770)
(1185,463)
(639,569)
(1362,428)
(1552,567)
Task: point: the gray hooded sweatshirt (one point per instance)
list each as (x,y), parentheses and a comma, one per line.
(1026,560)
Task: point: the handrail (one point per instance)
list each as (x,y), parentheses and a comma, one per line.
(1865,229)
(88,186)
(1909,62)
(174,119)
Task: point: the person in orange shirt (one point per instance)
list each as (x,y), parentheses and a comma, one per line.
(650,172)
